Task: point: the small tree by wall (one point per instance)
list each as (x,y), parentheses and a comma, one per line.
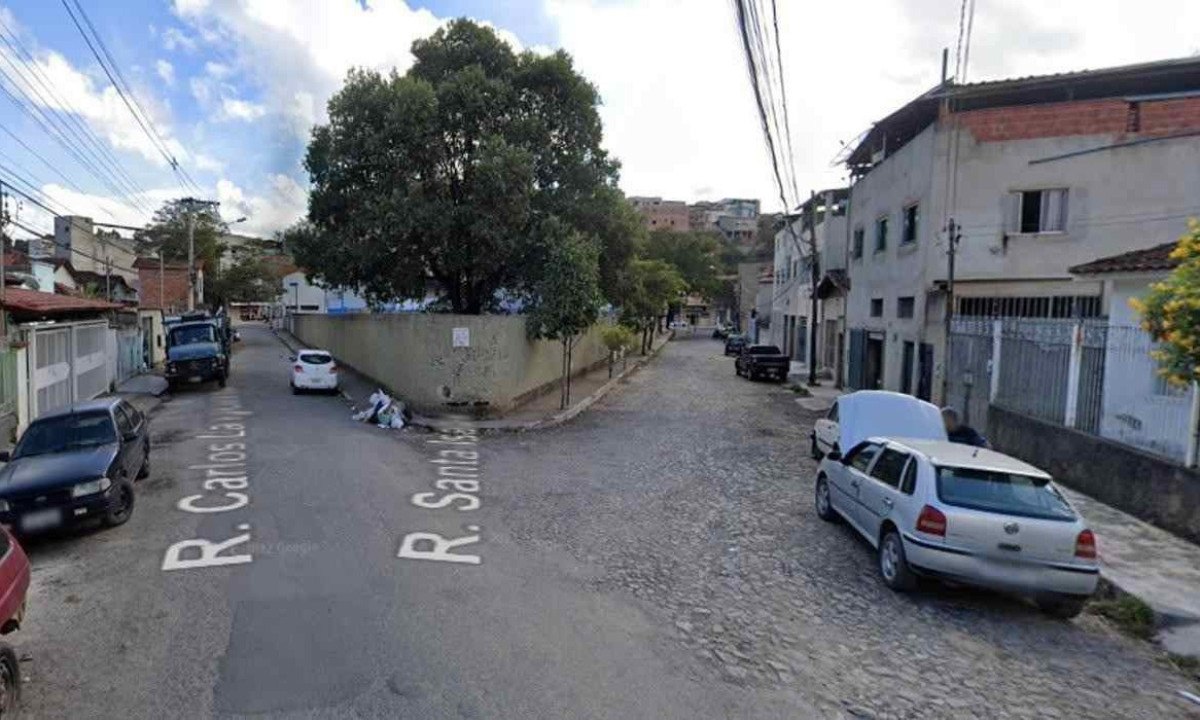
(1171,312)
(652,285)
(567,298)
(619,340)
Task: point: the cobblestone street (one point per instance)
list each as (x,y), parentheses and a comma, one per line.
(689,492)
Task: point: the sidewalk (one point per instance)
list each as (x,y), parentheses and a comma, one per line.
(1152,564)
(822,395)
(540,412)
(144,391)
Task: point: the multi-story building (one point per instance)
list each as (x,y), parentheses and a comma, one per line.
(792,298)
(77,241)
(1029,177)
(662,214)
(734,218)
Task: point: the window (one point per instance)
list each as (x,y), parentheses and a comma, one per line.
(191,334)
(316,358)
(861,457)
(124,424)
(889,467)
(66,432)
(908,484)
(876,307)
(859,233)
(908,233)
(905,307)
(881,230)
(1001,492)
(1038,211)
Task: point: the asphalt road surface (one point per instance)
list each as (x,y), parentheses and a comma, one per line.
(656,558)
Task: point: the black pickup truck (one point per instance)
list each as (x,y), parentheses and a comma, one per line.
(758,361)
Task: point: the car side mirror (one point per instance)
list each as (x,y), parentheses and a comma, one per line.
(5,456)
(292,358)
(131,436)
(834,455)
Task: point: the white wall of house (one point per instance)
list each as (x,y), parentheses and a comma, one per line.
(299,294)
(899,270)
(1140,408)
(1118,199)
(792,293)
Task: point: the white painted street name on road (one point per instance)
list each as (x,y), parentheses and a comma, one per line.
(457,462)
(225,478)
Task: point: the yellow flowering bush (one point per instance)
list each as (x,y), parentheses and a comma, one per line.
(1171,312)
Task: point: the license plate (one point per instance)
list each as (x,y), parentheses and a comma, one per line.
(195,379)
(41,519)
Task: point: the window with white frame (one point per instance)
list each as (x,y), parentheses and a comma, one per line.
(1038,211)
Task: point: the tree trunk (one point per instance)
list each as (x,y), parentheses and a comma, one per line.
(562,389)
(570,353)
(612,357)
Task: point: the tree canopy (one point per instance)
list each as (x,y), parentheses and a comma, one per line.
(696,256)
(449,173)
(1171,312)
(168,230)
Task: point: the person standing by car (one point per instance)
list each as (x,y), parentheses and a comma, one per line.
(959,433)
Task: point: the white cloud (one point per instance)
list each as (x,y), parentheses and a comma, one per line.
(299,52)
(285,203)
(217,70)
(166,71)
(175,39)
(205,163)
(202,89)
(244,110)
(679,114)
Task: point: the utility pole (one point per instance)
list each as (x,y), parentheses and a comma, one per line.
(953,235)
(162,267)
(3,275)
(191,227)
(815,277)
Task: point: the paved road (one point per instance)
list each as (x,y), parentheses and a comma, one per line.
(656,558)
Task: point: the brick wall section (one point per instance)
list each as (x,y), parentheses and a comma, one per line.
(174,287)
(1084,117)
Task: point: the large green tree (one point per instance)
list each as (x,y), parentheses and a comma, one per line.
(449,171)
(650,286)
(168,231)
(695,255)
(249,279)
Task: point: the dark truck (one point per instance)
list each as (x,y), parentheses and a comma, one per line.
(758,361)
(196,352)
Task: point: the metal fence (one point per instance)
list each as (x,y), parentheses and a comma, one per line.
(1085,374)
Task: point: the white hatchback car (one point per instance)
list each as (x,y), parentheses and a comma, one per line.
(314,370)
(956,512)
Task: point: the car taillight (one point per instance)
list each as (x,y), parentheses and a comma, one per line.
(931,521)
(299,368)
(1085,545)
(332,367)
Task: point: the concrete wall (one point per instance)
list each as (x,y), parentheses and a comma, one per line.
(414,356)
(1155,490)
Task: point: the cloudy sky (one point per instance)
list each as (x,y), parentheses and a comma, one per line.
(232,87)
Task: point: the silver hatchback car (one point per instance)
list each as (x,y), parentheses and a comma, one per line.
(943,510)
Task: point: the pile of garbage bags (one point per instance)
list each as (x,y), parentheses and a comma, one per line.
(385,412)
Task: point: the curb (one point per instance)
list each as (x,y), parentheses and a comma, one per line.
(500,425)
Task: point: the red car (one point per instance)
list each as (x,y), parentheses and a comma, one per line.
(14,583)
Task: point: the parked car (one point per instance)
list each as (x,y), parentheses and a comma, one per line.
(949,511)
(196,352)
(14,584)
(314,370)
(824,435)
(758,361)
(734,344)
(721,331)
(75,464)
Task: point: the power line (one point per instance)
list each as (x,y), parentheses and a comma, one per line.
(152,135)
(43,236)
(70,118)
(53,168)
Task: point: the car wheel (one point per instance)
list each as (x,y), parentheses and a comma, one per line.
(144,471)
(120,511)
(823,502)
(815,450)
(10,682)
(1063,607)
(295,390)
(221,380)
(893,566)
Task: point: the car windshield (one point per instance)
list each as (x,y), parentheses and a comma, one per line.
(67,432)
(193,334)
(316,358)
(764,350)
(1001,492)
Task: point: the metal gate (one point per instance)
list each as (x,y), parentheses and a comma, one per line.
(70,363)
(969,370)
(129,351)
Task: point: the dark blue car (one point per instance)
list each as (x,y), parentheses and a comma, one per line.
(75,464)
(196,352)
